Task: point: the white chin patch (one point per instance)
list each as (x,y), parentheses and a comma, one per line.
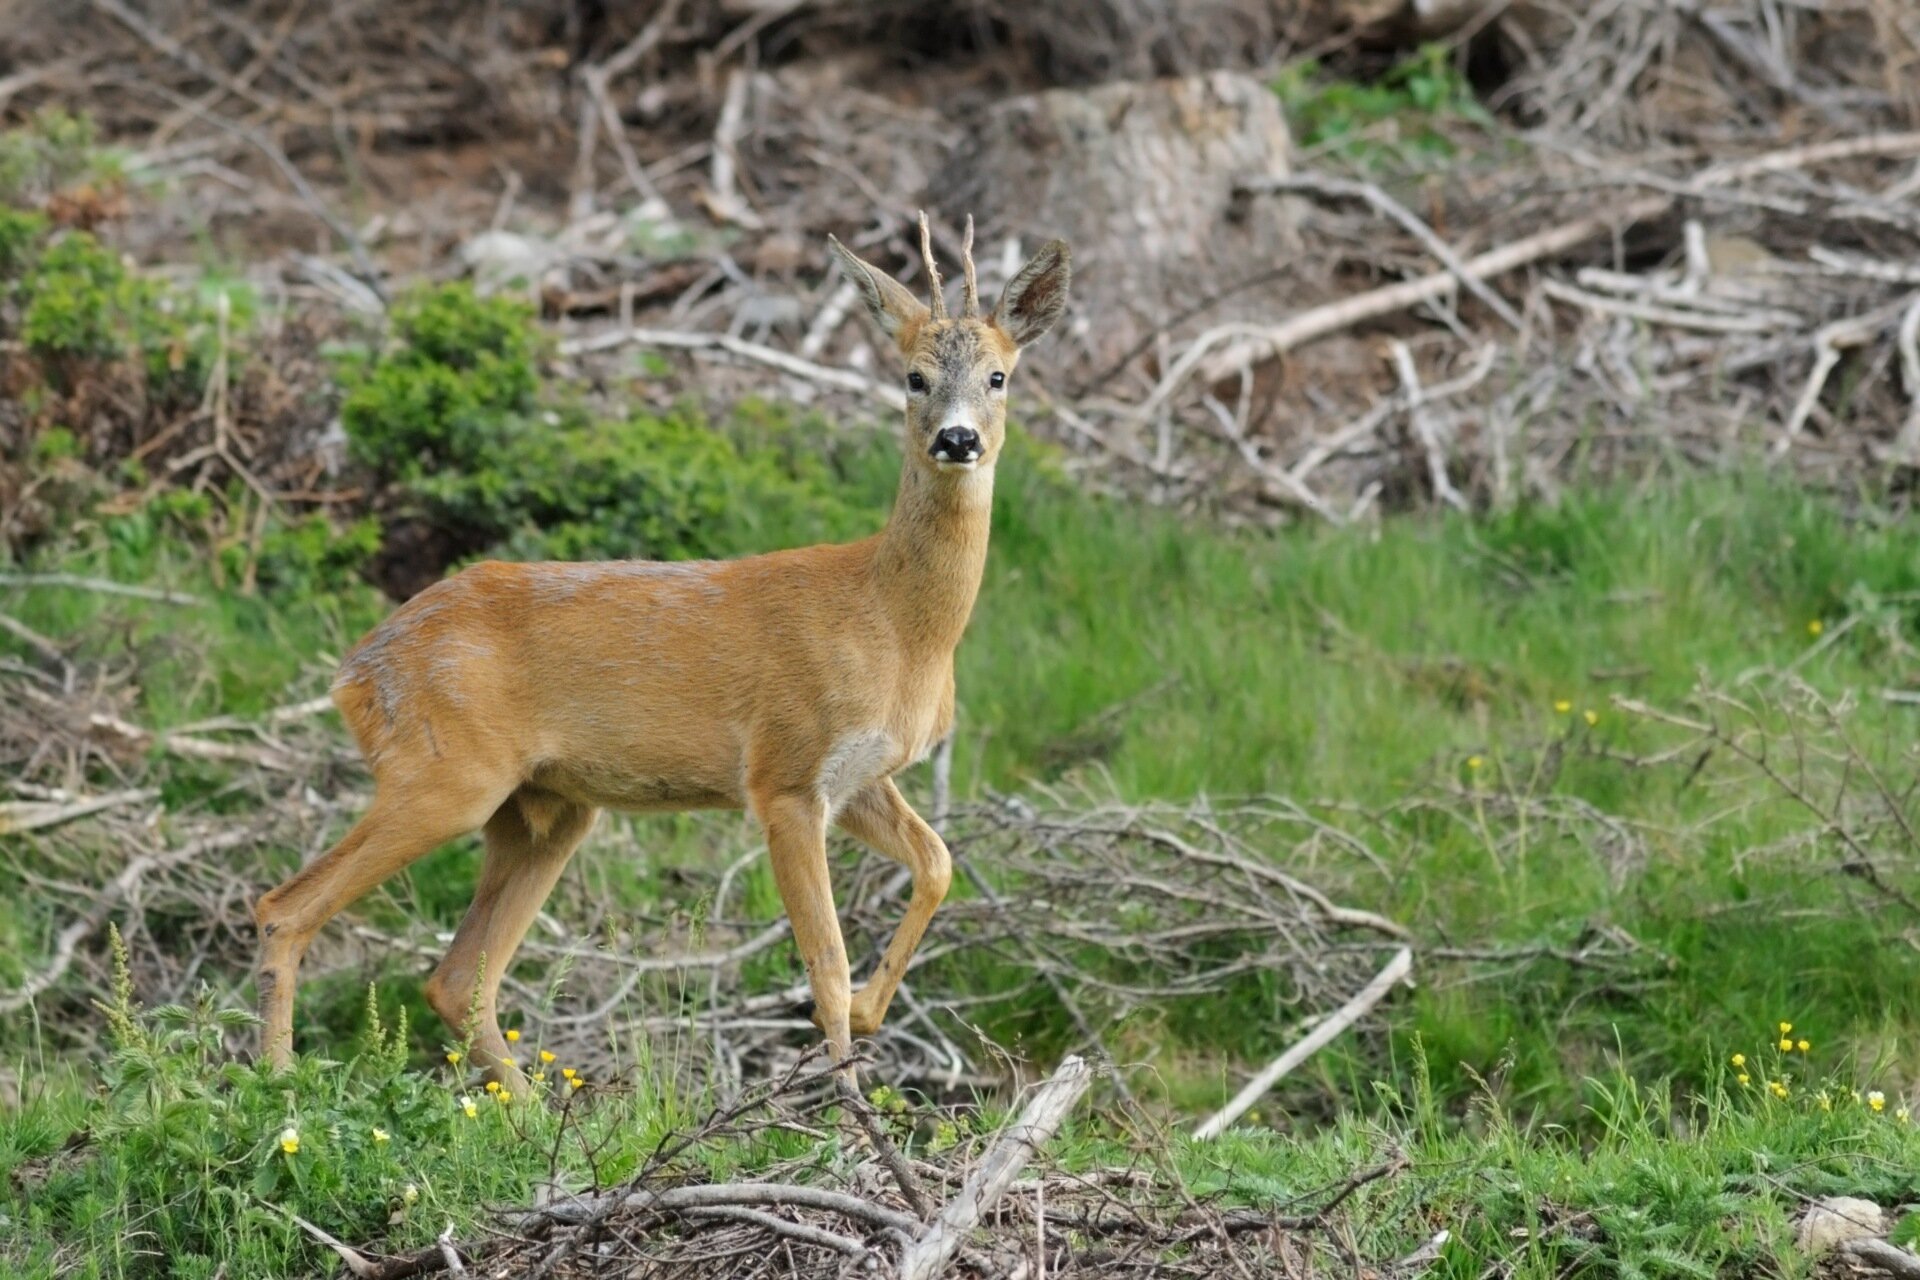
(948,462)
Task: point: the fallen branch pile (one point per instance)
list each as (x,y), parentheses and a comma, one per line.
(997,1215)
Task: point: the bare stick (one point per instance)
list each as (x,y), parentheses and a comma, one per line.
(724,200)
(1260,342)
(100,585)
(597,108)
(1907,446)
(845,379)
(706,1195)
(1882,1256)
(34,815)
(356,1261)
(1321,1036)
(1039,1120)
(1423,429)
(109,896)
(1677,317)
(883,1146)
(1320,184)
(781,1227)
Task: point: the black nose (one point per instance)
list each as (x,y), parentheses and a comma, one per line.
(956,444)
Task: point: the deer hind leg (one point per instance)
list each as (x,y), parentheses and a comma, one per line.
(796,828)
(880,818)
(408,820)
(530,840)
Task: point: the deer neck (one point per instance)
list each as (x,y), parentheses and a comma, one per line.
(932,554)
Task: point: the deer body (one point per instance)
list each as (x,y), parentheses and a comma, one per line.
(523,698)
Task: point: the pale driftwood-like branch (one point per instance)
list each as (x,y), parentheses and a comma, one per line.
(1351,1012)
(20,816)
(1759,321)
(747,1194)
(1322,184)
(1039,1120)
(1885,1256)
(100,585)
(781,1227)
(677,340)
(1828,343)
(596,108)
(724,200)
(1421,423)
(108,897)
(1907,446)
(1262,342)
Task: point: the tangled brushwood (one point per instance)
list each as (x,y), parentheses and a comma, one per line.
(1566,240)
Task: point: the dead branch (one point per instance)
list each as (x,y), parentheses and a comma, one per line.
(1016,1144)
(1352,1011)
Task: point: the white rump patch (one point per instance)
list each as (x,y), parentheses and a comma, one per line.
(854,761)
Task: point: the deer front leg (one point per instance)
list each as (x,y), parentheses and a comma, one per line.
(880,818)
(796,828)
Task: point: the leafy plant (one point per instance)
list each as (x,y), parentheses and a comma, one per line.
(450,414)
(1403,115)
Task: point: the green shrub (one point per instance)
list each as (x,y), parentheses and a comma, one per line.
(56,150)
(1397,116)
(451,414)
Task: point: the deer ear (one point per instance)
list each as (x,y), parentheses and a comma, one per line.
(1037,297)
(893,309)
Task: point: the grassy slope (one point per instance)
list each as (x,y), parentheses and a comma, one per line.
(1357,667)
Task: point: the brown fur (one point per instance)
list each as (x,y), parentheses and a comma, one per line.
(523,698)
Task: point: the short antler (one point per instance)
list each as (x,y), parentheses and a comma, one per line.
(933,269)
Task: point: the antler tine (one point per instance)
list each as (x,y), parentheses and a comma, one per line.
(933,269)
(972,311)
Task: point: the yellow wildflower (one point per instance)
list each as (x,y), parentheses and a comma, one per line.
(1474,762)
(1745,1078)
(1877,1100)
(381,1135)
(467,1105)
(1786,1045)
(546,1055)
(575,1083)
(1815,627)
(513,1037)
(1739,1059)
(493,1086)
(505,1096)
(1785,1027)
(1804,1047)
(1779,1089)
(510,1061)
(1562,706)
(453,1056)
(1826,1103)
(539,1077)
(568,1072)
(410,1195)
(1591,716)
(289,1139)
(1902,1115)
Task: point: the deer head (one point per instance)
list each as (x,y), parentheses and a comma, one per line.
(958,367)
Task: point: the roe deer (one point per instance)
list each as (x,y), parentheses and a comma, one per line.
(522,698)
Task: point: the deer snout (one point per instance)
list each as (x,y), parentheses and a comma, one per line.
(956,445)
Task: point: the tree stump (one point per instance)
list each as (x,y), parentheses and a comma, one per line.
(1139,178)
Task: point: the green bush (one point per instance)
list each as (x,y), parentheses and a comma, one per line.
(56,150)
(1398,116)
(451,415)
(78,311)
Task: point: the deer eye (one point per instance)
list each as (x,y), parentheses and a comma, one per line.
(997,380)
(916,383)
